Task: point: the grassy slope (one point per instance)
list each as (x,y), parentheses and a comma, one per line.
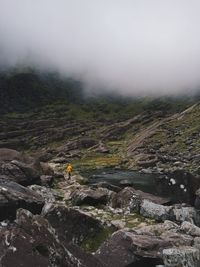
(175,136)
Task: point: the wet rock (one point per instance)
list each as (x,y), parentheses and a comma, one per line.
(48,194)
(181,185)
(87,196)
(31,241)
(14,196)
(70,224)
(181,257)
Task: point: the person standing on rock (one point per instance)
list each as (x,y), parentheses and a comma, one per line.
(69,170)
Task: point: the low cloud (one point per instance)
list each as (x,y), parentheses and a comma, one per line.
(135,47)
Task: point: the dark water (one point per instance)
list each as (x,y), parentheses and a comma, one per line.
(140,181)
(149,183)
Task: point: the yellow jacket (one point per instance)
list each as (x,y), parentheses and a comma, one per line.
(69,168)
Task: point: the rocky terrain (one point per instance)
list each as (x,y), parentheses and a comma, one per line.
(47,220)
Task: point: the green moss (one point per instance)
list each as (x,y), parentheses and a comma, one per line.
(92,244)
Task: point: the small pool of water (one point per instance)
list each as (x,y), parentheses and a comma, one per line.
(177,190)
(140,181)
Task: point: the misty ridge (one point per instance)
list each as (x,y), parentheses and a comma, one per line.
(129,47)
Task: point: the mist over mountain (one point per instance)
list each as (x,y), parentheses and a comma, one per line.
(135,48)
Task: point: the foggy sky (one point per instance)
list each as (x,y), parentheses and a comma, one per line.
(131,46)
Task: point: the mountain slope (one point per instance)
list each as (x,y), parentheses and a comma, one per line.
(173,142)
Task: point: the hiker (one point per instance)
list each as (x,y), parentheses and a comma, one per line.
(69,171)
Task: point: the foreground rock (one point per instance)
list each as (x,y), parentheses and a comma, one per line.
(31,241)
(143,246)
(14,196)
(124,249)
(70,224)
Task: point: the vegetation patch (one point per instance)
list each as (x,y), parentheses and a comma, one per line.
(92,244)
(97,162)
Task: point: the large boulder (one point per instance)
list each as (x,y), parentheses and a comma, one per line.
(142,247)
(14,196)
(179,212)
(23,169)
(116,251)
(70,224)
(20,172)
(180,185)
(127,198)
(7,154)
(132,199)
(155,211)
(32,241)
(88,196)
